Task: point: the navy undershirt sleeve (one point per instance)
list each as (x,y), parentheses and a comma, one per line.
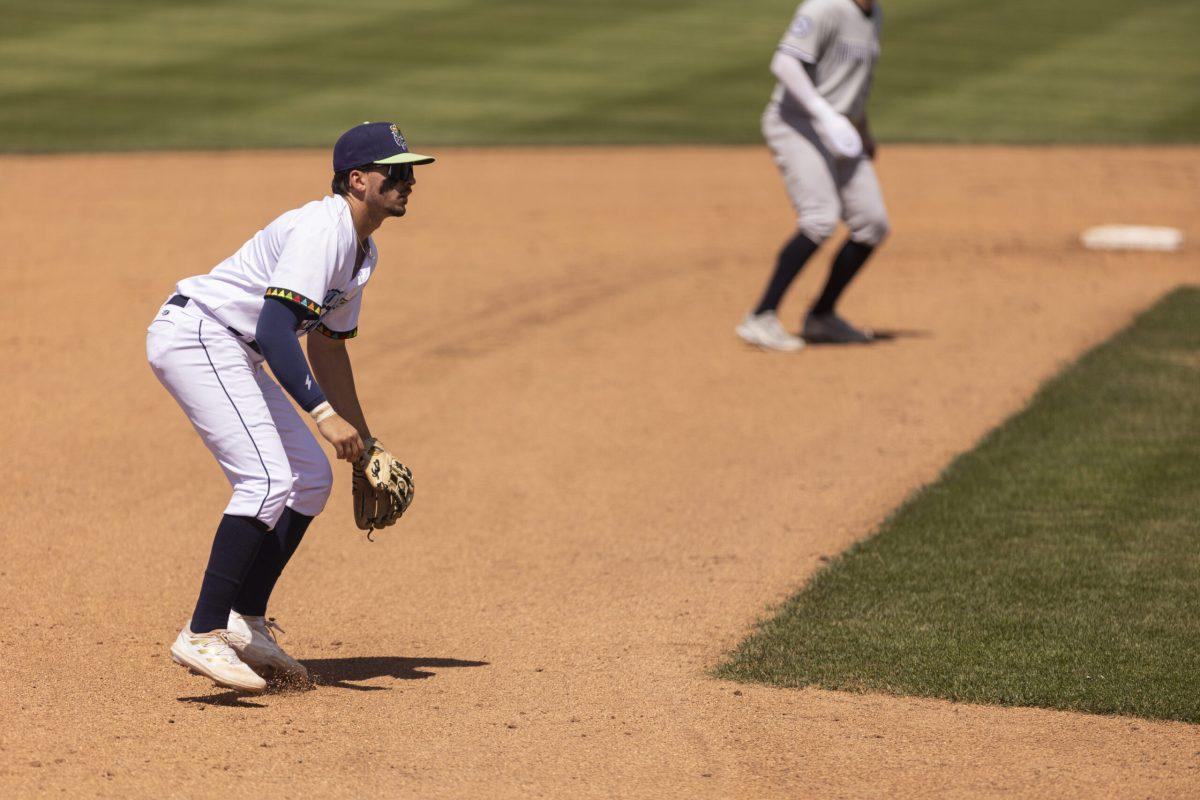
(276,336)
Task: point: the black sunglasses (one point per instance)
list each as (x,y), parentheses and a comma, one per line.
(393,173)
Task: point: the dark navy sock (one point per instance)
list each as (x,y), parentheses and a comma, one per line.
(846,265)
(233,552)
(791,259)
(277,549)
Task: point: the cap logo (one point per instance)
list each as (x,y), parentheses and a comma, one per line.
(399,137)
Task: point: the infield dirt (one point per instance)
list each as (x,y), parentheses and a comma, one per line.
(611,488)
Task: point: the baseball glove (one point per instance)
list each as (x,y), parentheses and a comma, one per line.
(382,488)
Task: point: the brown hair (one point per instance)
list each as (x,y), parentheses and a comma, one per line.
(341,182)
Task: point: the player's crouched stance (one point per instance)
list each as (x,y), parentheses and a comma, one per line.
(305,272)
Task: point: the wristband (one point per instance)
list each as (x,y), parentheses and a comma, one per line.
(322,412)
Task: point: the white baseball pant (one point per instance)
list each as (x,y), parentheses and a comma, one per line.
(268,454)
(823,188)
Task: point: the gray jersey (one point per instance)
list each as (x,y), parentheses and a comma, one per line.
(839,46)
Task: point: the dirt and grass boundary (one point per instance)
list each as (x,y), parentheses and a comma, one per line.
(1054,565)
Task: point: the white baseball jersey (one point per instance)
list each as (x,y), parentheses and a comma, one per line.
(839,44)
(306,256)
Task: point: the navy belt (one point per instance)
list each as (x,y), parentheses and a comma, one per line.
(182,300)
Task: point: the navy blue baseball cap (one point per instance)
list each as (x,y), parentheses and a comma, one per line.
(374,143)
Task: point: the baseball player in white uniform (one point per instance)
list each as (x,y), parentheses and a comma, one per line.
(303,273)
(816,127)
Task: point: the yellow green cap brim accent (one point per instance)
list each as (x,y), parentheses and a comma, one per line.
(407,158)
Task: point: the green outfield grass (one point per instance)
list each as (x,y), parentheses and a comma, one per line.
(1055,565)
(137,74)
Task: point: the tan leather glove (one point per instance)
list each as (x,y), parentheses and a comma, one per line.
(382,488)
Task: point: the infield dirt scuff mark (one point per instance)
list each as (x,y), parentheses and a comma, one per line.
(611,487)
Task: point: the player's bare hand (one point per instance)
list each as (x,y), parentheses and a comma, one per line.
(345,439)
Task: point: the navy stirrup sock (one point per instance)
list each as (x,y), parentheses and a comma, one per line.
(791,258)
(845,266)
(233,552)
(277,549)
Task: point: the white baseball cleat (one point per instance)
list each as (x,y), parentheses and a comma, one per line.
(211,655)
(766,331)
(254,640)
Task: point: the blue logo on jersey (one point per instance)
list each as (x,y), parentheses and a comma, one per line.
(801,27)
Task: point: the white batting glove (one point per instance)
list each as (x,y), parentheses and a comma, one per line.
(839,135)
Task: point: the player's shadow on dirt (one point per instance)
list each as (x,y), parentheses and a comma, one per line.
(880,336)
(340,672)
(230,699)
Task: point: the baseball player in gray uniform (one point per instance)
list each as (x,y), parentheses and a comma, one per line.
(816,127)
(304,274)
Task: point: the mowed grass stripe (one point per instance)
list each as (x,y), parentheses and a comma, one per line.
(187,74)
(165,74)
(1108,75)
(1055,565)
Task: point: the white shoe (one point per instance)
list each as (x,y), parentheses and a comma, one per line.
(765,330)
(254,641)
(211,655)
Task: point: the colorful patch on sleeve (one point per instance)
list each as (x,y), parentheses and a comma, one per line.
(332,334)
(292,297)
